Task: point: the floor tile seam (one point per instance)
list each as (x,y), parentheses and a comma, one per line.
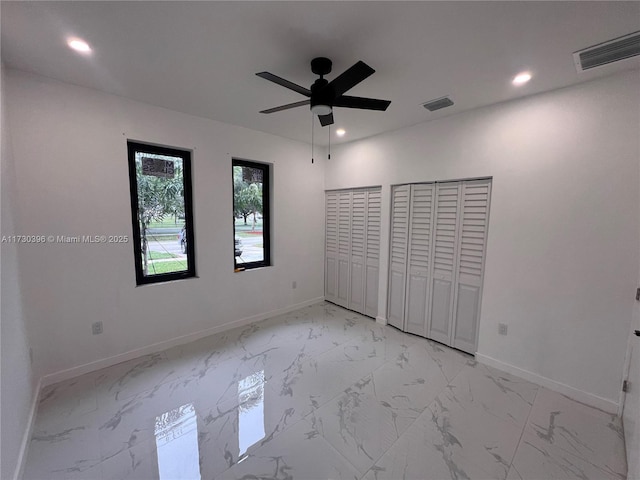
(400,437)
(449,382)
(124,400)
(430,446)
(349,338)
(313,409)
(329,442)
(524,428)
(530,424)
(168,379)
(596,466)
(588,421)
(334,346)
(392,362)
(516,470)
(571,453)
(444,387)
(372,372)
(600,418)
(239,360)
(375,462)
(340,454)
(585,460)
(306,418)
(37,426)
(362,477)
(481,468)
(261,447)
(280,375)
(506,424)
(115,405)
(340,393)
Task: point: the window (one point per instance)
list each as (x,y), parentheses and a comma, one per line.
(251,214)
(160,182)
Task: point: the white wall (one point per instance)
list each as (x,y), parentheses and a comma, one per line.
(563,240)
(72,179)
(631,414)
(17,389)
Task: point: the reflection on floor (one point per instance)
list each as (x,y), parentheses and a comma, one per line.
(319,393)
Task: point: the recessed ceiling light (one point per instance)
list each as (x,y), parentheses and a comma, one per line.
(521,78)
(340,132)
(79,45)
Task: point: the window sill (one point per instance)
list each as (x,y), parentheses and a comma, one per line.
(165,282)
(250,269)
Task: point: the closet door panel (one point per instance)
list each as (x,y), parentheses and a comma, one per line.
(466,317)
(372,257)
(419,252)
(444,260)
(331,247)
(474,219)
(441,310)
(398,255)
(357,251)
(344,247)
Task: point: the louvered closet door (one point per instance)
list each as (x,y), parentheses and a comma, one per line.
(470,262)
(444,260)
(372,255)
(357,257)
(331,247)
(419,261)
(344,247)
(398,254)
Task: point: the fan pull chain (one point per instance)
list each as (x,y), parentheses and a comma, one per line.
(312,138)
(329,156)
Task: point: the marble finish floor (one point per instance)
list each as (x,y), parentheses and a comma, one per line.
(318,393)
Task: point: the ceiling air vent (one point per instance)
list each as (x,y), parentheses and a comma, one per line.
(437,104)
(607,52)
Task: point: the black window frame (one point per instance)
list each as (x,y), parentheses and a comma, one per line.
(266,213)
(134,147)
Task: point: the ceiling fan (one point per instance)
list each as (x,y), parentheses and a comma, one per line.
(325,95)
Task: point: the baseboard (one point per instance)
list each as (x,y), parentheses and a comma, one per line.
(381,320)
(160,346)
(28,432)
(590,399)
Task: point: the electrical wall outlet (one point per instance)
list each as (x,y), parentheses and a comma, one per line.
(96,328)
(294,285)
(502,328)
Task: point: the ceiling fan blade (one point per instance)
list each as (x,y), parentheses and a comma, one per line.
(285,83)
(326,119)
(286,107)
(350,78)
(361,102)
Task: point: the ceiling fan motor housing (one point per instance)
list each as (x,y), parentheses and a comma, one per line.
(321,93)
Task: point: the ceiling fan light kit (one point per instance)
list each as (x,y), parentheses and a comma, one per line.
(321,109)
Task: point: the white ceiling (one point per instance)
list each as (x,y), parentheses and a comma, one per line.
(201,57)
